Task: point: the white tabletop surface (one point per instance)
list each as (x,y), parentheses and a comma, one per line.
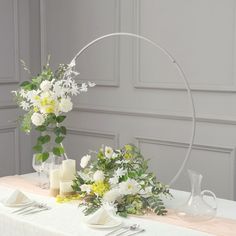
(67,219)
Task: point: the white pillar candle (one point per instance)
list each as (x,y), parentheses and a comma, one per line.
(55,178)
(68,170)
(54,182)
(65,188)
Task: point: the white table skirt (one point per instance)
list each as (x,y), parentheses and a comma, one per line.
(67,220)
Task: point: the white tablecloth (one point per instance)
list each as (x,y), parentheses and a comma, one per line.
(67,220)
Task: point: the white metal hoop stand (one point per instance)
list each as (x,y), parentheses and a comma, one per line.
(182,74)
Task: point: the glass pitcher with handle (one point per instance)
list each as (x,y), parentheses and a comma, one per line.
(198,208)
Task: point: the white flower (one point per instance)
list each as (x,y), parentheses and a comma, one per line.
(84,161)
(120,172)
(84,87)
(98,176)
(112,195)
(25,105)
(130,186)
(65,105)
(146,192)
(91,84)
(37,119)
(114,180)
(23,93)
(85,188)
(85,177)
(45,85)
(108,152)
(124,161)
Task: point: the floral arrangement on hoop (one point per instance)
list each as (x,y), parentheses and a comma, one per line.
(46,99)
(121,179)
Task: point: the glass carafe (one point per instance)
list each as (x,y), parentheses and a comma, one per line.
(196,208)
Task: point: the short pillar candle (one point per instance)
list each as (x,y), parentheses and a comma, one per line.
(68,170)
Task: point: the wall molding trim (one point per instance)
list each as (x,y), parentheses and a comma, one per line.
(95,133)
(137,83)
(115,82)
(157,115)
(16,77)
(13,128)
(231,151)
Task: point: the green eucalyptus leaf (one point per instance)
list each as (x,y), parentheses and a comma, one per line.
(41,128)
(58,151)
(45,156)
(60,119)
(38,148)
(25,83)
(63,130)
(59,139)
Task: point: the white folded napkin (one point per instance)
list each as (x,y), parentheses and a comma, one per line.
(16,198)
(102,217)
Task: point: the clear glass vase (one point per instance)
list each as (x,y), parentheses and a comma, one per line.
(197,208)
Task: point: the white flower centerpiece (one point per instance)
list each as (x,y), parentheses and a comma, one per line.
(46,99)
(121,179)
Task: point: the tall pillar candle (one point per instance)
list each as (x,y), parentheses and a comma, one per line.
(54,182)
(68,170)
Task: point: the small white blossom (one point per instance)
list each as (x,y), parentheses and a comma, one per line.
(146,192)
(85,188)
(114,180)
(120,172)
(108,152)
(129,186)
(98,176)
(23,93)
(37,119)
(84,87)
(85,160)
(65,105)
(45,85)
(91,84)
(25,105)
(112,195)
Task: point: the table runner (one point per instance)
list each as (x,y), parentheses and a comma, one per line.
(217,226)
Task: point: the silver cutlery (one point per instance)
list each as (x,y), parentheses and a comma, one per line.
(37,211)
(25,207)
(123,230)
(36,206)
(137,232)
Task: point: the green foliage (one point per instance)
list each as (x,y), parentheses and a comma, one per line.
(59,139)
(130,159)
(60,119)
(58,151)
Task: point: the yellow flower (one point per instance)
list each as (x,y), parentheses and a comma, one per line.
(50,109)
(36,109)
(100,187)
(37,98)
(61,199)
(128,148)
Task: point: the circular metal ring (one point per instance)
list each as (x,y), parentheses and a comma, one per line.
(182,74)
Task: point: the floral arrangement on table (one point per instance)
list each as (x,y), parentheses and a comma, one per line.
(119,178)
(46,99)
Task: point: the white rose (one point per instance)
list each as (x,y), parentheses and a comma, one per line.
(98,176)
(45,85)
(108,152)
(85,188)
(65,105)
(130,186)
(37,119)
(84,161)
(111,196)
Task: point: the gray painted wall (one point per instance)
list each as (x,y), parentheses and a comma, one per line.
(141,101)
